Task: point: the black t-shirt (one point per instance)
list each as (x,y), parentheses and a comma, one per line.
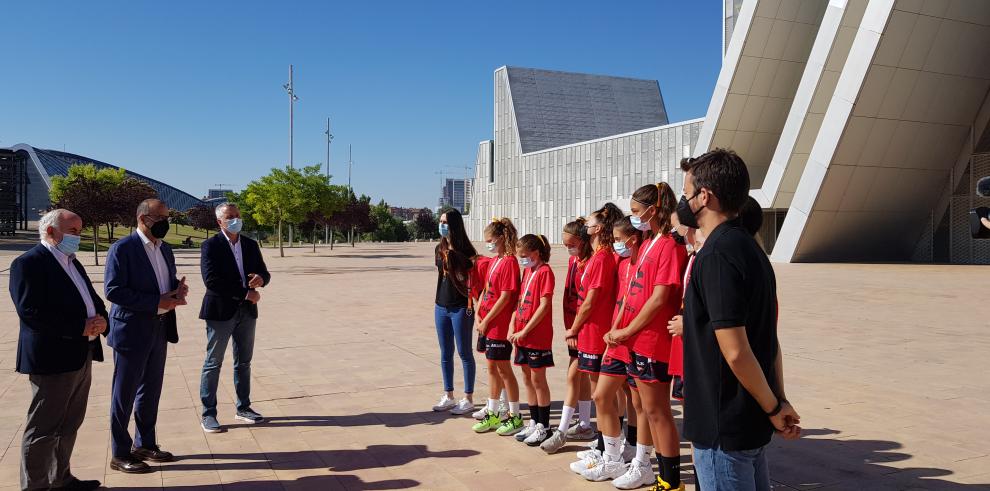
(447,293)
(732,284)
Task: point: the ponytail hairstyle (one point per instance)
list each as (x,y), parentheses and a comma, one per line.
(503,229)
(538,243)
(625,227)
(578,229)
(661,197)
(607,216)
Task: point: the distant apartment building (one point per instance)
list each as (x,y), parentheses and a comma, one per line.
(456,193)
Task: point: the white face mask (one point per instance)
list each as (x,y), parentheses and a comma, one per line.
(574,251)
(490,246)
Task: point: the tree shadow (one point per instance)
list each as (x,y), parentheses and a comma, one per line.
(342,460)
(388,420)
(307,483)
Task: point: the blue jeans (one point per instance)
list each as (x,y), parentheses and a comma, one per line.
(455,327)
(724,470)
(218,334)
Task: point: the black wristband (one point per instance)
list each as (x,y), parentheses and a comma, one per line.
(777,408)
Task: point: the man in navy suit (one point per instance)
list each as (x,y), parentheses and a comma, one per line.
(61,318)
(233,269)
(141,283)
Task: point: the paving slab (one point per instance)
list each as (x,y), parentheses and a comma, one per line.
(885,363)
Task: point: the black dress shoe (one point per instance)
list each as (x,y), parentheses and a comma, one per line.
(129,465)
(153,454)
(79,485)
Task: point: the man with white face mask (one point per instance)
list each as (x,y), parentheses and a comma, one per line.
(61,318)
(233,269)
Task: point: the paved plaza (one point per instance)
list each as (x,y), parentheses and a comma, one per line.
(885,363)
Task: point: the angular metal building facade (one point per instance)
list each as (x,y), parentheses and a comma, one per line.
(565,143)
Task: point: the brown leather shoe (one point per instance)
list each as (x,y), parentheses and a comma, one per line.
(153,454)
(129,465)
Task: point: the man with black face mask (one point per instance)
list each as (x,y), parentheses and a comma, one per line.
(141,283)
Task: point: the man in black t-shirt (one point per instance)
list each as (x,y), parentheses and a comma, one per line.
(733,375)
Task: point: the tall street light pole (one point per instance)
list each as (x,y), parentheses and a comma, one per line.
(326,232)
(290,89)
(350,190)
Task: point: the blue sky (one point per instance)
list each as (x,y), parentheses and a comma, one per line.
(191,92)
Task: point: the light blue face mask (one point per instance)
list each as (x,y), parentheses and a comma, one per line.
(490,246)
(234,225)
(444,230)
(69,244)
(639,223)
(525,262)
(621,249)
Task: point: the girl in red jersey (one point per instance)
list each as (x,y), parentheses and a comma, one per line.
(533,333)
(653,297)
(596,288)
(578,398)
(497,302)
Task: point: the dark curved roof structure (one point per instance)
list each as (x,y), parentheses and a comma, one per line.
(55,163)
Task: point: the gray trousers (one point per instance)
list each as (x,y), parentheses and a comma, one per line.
(57,410)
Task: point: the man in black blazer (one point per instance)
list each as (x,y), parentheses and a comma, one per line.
(61,318)
(140,280)
(233,269)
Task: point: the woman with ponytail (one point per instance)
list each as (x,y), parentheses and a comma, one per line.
(652,299)
(497,303)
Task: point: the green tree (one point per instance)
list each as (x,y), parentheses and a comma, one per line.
(426,225)
(321,200)
(279,198)
(385,226)
(89,192)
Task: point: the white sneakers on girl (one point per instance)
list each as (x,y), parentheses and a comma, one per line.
(445,404)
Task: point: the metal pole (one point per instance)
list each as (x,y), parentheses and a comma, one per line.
(291,104)
(350,190)
(326,232)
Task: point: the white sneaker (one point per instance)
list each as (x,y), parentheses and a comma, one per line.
(637,475)
(536,436)
(524,433)
(584,454)
(628,452)
(463,406)
(586,462)
(605,470)
(480,414)
(445,404)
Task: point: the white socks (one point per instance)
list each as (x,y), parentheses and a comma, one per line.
(565,418)
(504,398)
(643,453)
(493,405)
(584,413)
(613,447)
(514,408)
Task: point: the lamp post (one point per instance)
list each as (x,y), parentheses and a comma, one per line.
(326,233)
(290,89)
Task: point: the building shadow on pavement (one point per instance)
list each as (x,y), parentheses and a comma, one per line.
(820,458)
(343,460)
(308,483)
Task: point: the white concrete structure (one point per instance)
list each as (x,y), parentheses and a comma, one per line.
(864,151)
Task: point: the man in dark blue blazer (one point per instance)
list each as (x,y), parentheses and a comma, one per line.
(233,269)
(141,283)
(61,318)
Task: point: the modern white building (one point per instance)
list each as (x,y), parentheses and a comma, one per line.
(565,143)
(863,122)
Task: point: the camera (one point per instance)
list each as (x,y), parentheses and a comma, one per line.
(977,229)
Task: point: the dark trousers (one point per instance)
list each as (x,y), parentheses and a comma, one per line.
(57,410)
(137,388)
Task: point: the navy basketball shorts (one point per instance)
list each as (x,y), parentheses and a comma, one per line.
(533,358)
(647,370)
(589,362)
(498,350)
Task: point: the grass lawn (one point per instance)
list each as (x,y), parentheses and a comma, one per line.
(177,234)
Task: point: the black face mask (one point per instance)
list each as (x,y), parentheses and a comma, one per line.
(159,229)
(678,237)
(687,217)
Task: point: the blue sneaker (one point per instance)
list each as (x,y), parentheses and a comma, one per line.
(249,416)
(211,425)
